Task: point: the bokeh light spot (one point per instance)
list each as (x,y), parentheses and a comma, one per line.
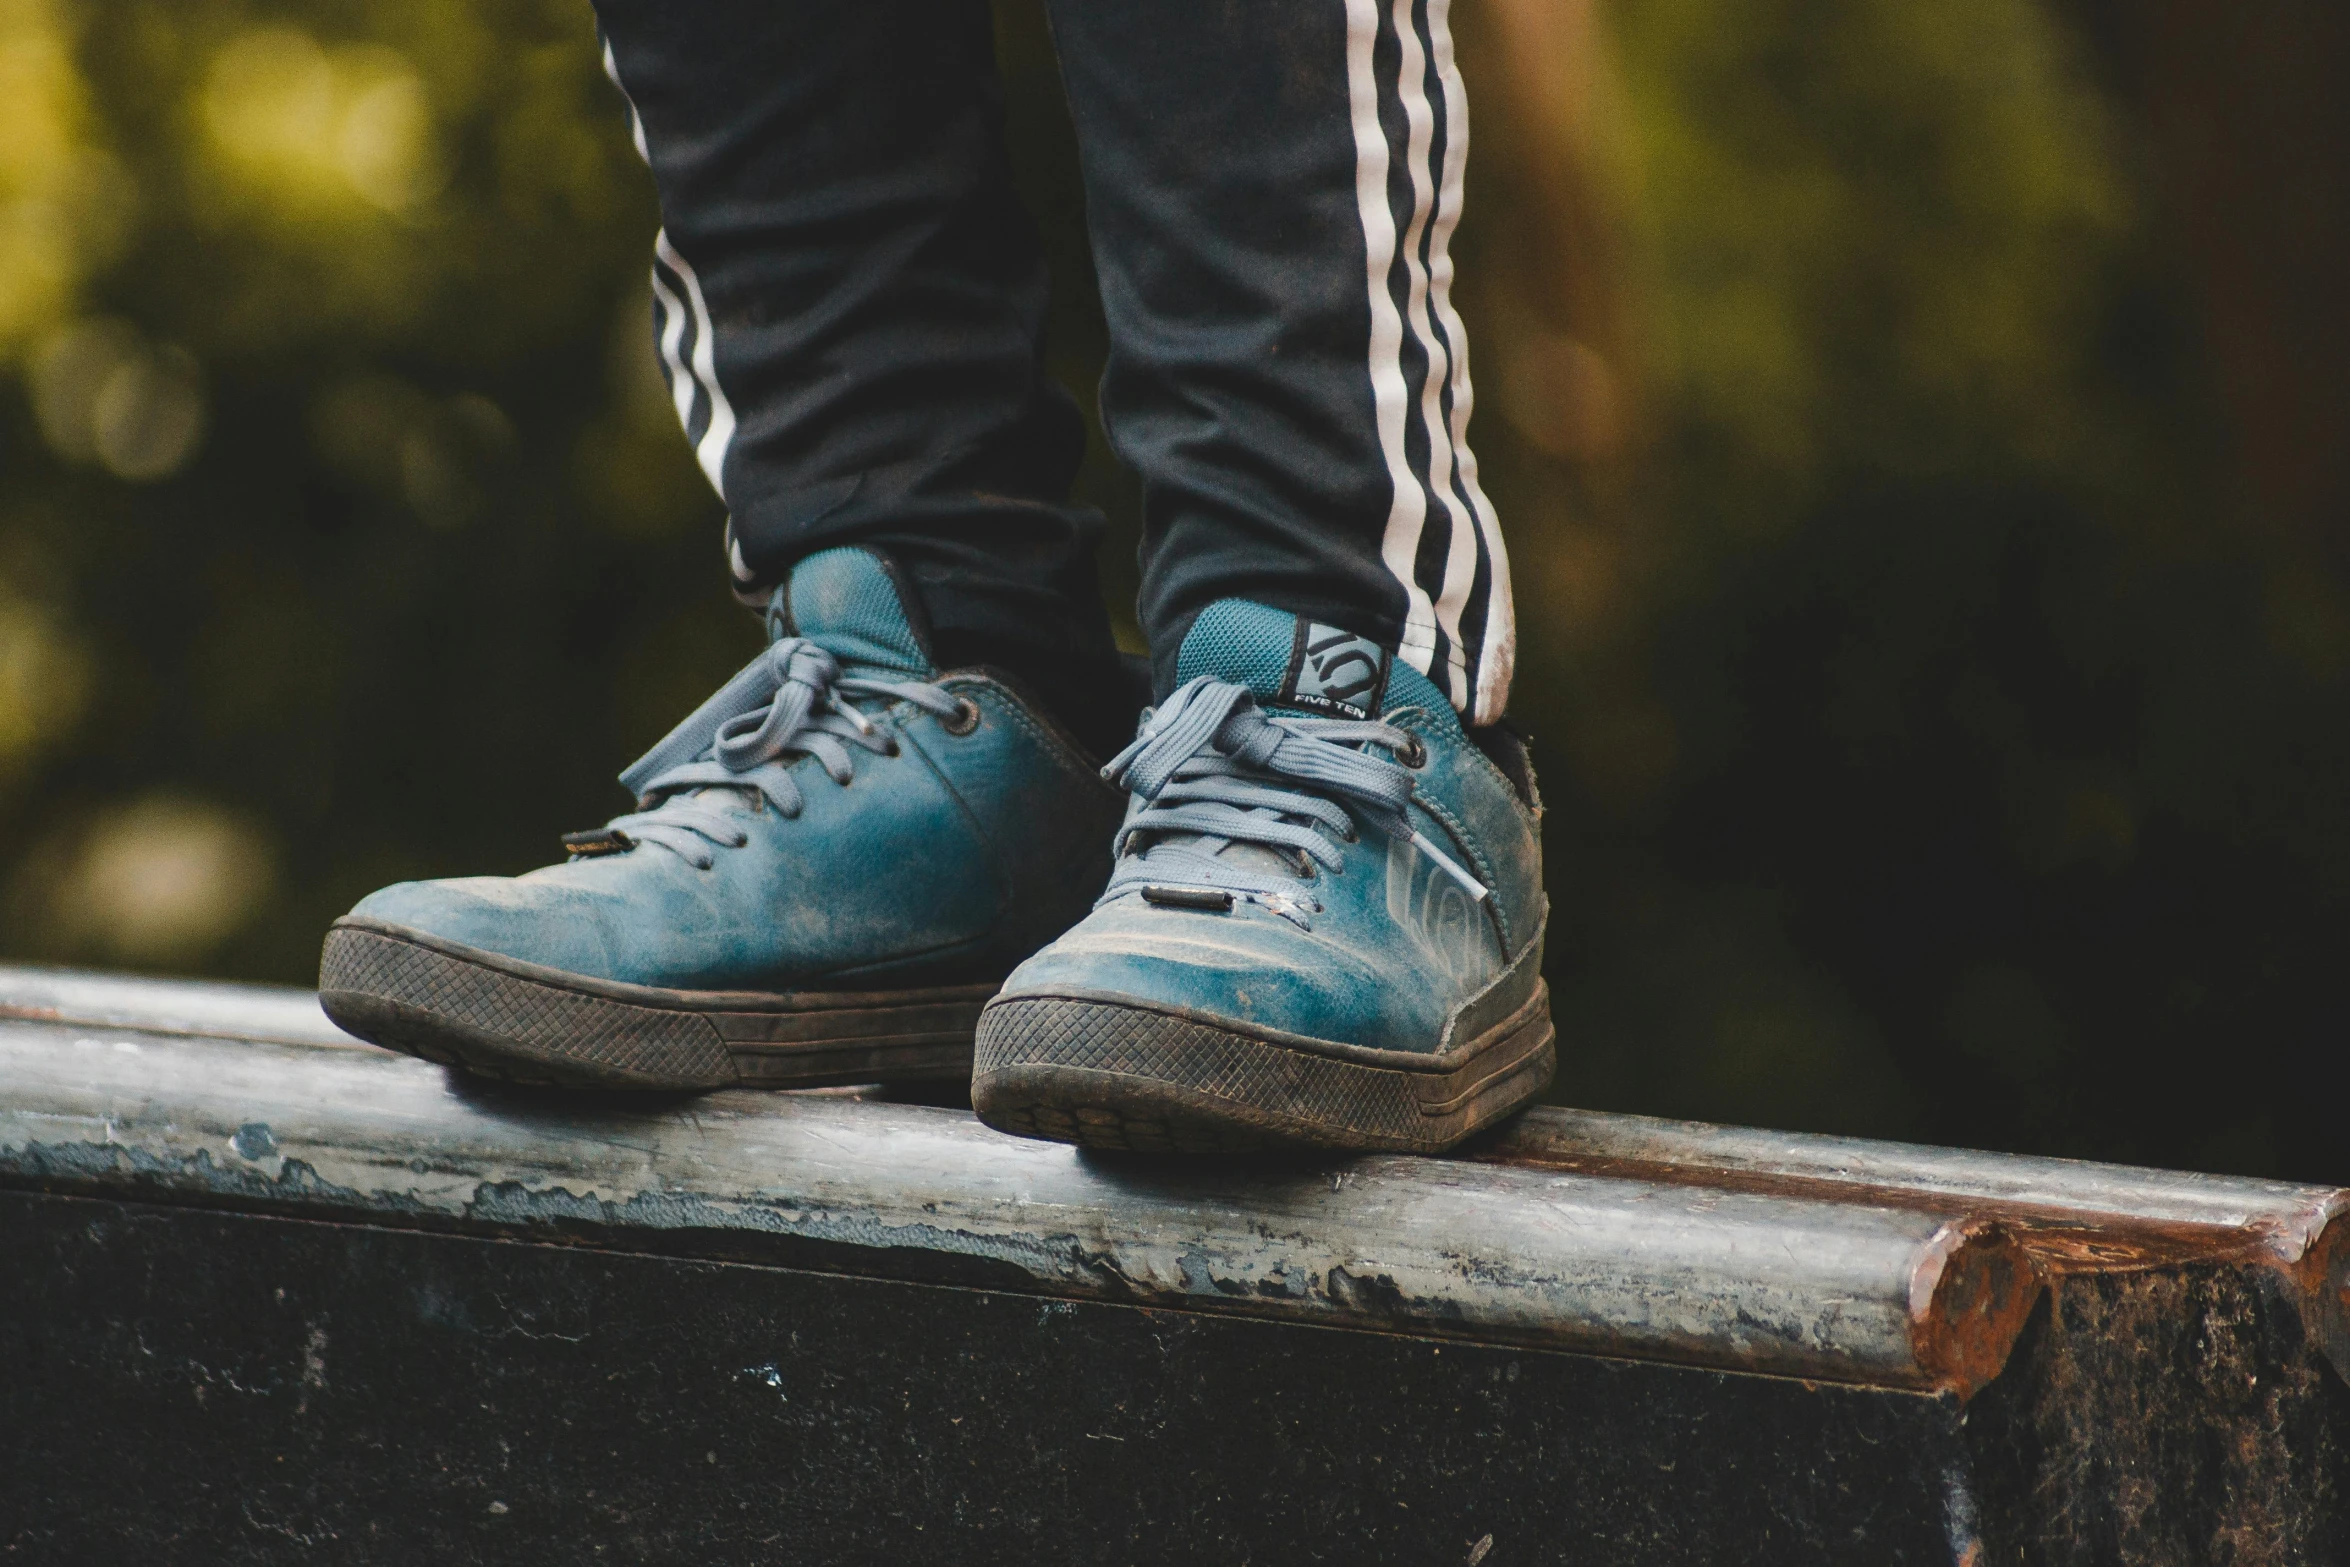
(164,879)
(102,394)
(148,417)
(310,127)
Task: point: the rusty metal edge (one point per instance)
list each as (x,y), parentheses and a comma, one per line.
(2298,1232)
(2322,1279)
(2088,1216)
(1970,1298)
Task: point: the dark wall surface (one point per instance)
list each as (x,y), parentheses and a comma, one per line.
(660,1409)
(342,1392)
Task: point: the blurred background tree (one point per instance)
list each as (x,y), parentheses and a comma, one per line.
(1920,427)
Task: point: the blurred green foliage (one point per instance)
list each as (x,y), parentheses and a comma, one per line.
(1937,746)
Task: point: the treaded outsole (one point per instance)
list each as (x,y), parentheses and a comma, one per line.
(447,1003)
(1103,1074)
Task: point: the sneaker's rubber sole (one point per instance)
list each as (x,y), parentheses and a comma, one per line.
(1106,1073)
(499,1017)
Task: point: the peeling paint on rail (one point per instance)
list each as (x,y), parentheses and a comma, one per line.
(1761,1283)
(1760,1251)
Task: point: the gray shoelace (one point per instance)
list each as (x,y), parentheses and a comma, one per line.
(1210,769)
(790,701)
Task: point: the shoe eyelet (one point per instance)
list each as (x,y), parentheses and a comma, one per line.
(1414,755)
(964,719)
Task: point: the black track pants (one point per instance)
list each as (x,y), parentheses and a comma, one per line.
(849,302)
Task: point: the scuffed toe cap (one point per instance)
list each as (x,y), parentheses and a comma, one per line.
(525,918)
(464,908)
(1247,968)
(421,905)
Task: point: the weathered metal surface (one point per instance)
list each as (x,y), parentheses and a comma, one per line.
(2069,1215)
(2277,1217)
(266,1013)
(1856,1292)
(950,1346)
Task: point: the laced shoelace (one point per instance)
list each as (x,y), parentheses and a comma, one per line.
(792,700)
(1211,769)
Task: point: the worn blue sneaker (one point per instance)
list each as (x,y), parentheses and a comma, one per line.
(834,863)
(1324,926)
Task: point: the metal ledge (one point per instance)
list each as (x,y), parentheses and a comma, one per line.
(2070,1216)
(1821,1258)
(264,1014)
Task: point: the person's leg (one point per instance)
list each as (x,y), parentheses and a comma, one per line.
(1272,185)
(1325,921)
(849,302)
(839,856)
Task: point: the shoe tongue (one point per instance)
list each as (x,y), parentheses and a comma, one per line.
(848,602)
(1293,665)
(1301,665)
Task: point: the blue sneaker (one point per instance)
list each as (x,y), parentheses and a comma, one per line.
(1324,926)
(836,861)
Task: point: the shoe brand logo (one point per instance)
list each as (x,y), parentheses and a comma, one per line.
(1335,672)
(1425,900)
